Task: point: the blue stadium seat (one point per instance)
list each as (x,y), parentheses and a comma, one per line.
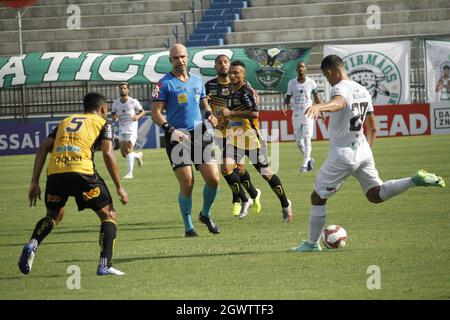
(217,20)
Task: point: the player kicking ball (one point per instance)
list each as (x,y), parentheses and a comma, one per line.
(350,151)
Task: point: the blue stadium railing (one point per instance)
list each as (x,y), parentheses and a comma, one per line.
(217,21)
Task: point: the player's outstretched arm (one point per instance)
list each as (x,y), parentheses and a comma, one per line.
(111,165)
(335,104)
(34,191)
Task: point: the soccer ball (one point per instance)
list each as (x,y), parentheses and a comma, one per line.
(334,237)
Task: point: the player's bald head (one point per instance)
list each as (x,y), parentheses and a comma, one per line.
(177,49)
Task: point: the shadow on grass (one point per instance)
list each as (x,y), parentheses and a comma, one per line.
(160,257)
(21,277)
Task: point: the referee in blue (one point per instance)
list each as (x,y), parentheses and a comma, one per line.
(188,141)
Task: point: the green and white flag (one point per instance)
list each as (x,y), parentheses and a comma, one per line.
(382,68)
(438,70)
(267,69)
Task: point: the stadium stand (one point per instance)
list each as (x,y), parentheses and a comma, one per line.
(216,22)
(112,26)
(123,26)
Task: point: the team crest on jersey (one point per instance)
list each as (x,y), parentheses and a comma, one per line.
(270,72)
(377,73)
(93,193)
(225,91)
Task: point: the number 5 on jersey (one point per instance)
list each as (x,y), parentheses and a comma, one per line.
(78,122)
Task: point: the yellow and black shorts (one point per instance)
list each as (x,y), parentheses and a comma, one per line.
(258,157)
(90,191)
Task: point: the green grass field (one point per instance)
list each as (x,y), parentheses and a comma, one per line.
(406,237)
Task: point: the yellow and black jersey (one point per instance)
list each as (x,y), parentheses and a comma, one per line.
(75,140)
(219,93)
(244,133)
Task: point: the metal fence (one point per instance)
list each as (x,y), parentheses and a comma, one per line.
(62,98)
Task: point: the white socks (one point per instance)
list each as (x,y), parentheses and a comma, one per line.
(130,161)
(392,188)
(307,151)
(317,219)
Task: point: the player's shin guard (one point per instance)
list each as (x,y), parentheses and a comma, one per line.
(247,184)
(234,181)
(392,188)
(317,219)
(209,195)
(278,189)
(42,229)
(107,240)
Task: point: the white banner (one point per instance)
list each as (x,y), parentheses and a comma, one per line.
(438,70)
(383,68)
(440,117)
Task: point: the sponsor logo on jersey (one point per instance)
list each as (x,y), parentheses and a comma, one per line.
(377,73)
(69,148)
(67,159)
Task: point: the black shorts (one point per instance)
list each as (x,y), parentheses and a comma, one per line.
(199,150)
(258,157)
(90,191)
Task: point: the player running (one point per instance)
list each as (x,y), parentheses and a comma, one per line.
(128,111)
(244,139)
(218,90)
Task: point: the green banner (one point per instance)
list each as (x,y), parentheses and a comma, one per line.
(267,69)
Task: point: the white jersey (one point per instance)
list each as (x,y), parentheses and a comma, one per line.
(301,94)
(445,93)
(126,111)
(346,125)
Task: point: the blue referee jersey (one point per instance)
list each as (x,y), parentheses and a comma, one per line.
(182,100)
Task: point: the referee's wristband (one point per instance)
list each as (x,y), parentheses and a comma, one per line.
(167,128)
(208,114)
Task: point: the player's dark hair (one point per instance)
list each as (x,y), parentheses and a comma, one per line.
(446,67)
(221,56)
(238,63)
(124,83)
(331,62)
(93,101)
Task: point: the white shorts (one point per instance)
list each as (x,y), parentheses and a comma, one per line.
(303,128)
(336,169)
(128,137)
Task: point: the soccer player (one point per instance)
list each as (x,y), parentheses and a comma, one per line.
(244,138)
(302,89)
(182,94)
(218,90)
(128,111)
(71,172)
(350,151)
